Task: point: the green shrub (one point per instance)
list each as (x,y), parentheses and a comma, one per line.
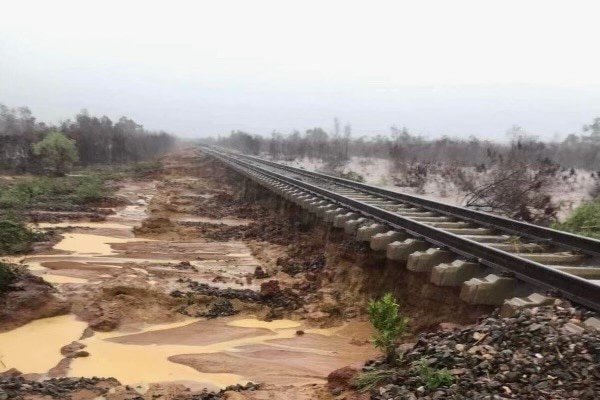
(585,220)
(7,276)
(57,152)
(40,192)
(433,378)
(388,323)
(89,189)
(15,237)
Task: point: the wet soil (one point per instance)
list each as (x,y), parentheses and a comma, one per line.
(189,232)
(201,275)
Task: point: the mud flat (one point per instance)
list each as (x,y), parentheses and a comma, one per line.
(182,290)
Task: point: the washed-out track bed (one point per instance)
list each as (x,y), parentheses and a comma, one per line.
(494,260)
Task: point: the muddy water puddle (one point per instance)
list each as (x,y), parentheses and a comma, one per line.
(174,352)
(35,347)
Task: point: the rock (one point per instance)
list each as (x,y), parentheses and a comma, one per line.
(105,323)
(259,273)
(521,357)
(270,288)
(10,373)
(229,395)
(342,378)
(71,349)
(299,332)
(219,308)
(448,326)
(87,332)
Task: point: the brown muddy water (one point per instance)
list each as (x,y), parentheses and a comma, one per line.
(199,353)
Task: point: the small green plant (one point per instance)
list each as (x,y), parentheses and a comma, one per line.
(432,377)
(389,325)
(7,276)
(365,381)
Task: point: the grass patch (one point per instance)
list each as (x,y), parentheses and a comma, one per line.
(44,192)
(84,187)
(365,381)
(585,220)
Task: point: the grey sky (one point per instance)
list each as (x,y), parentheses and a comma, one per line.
(198,68)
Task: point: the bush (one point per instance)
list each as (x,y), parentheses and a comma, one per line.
(15,237)
(388,323)
(42,192)
(57,152)
(585,220)
(7,276)
(90,189)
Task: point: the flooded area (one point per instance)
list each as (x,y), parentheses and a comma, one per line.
(118,283)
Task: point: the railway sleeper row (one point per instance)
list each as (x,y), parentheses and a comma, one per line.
(479,285)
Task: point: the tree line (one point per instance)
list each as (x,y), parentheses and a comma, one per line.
(98,140)
(580,150)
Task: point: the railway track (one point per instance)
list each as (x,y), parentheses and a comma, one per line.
(493,259)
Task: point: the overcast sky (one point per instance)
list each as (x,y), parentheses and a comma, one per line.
(200,68)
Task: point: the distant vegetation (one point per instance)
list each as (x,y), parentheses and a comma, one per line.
(27,145)
(56,152)
(580,150)
(514,179)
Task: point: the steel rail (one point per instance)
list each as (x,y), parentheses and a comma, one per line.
(570,286)
(536,233)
